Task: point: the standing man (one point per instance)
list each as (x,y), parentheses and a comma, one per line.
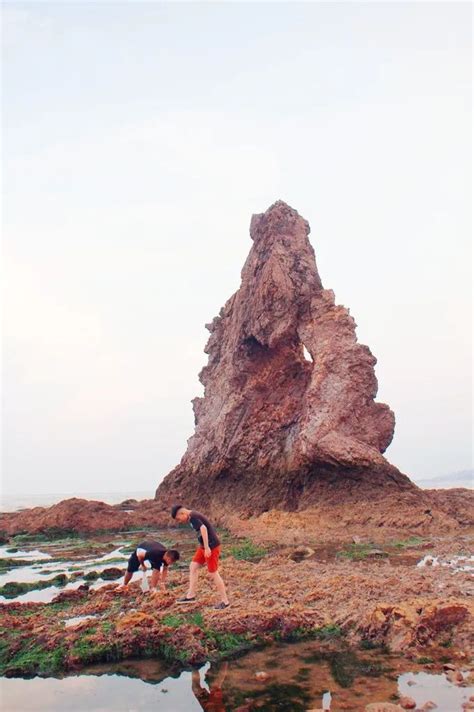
(159,557)
(207,553)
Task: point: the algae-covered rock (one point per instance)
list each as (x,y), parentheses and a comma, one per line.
(111,574)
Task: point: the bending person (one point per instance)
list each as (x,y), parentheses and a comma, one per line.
(159,557)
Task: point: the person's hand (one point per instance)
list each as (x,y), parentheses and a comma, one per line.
(143,567)
(207,552)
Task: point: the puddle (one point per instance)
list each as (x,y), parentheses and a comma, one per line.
(423,686)
(99,694)
(46,595)
(43,595)
(456,563)
(72,622)
(31,554)
(294,678)
(26,574)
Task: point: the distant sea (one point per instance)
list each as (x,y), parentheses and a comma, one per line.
(462,478)
(14,502)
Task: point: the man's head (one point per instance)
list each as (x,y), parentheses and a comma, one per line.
(170,556)
(179,513)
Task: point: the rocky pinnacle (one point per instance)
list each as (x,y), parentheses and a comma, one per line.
(288,417)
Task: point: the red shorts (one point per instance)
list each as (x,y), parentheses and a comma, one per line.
(212,562)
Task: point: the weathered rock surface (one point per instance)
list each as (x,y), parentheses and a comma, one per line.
(274,427)
(417,623)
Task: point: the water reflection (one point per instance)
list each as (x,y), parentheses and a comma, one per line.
(146,685)
(210,695)
(107,693)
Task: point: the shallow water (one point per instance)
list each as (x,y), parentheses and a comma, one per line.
(46,595)
(456,563)
(299,677)
(28,554)
(27,574)
(108,693)
(74,554)
(433,687)
(72,622)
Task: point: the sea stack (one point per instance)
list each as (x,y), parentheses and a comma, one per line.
(289,417)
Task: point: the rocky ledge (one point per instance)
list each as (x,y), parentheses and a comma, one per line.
(338,512)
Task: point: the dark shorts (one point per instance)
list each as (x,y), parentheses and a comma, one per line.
(134,564)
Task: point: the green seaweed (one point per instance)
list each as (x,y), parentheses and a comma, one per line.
(327,632)
(33,659)
(196,619)
(227,644)
(412,541)
(246,550)
(357,552)
(173,620)
(12,589)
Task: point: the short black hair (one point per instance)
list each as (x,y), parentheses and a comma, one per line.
(173,553)
(175,509)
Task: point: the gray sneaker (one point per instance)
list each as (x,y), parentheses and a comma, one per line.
(185,599)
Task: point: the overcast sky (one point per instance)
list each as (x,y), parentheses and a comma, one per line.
(138,140)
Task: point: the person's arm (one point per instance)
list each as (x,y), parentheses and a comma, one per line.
(164,574)
(205,540)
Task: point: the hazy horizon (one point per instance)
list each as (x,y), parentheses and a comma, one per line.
(12,501)
(138,141)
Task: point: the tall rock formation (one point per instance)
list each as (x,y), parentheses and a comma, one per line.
(288,416)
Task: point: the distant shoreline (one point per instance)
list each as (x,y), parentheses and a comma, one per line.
(15,502)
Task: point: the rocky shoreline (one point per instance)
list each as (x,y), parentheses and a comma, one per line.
(341,510)
(355,592)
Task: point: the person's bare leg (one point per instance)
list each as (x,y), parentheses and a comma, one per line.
(155,576)
(196,683)
(193,578)
(219,584)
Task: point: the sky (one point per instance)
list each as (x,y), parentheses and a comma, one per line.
(138,140)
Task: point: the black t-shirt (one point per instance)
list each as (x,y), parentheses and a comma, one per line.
(196,520)
(154,552)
